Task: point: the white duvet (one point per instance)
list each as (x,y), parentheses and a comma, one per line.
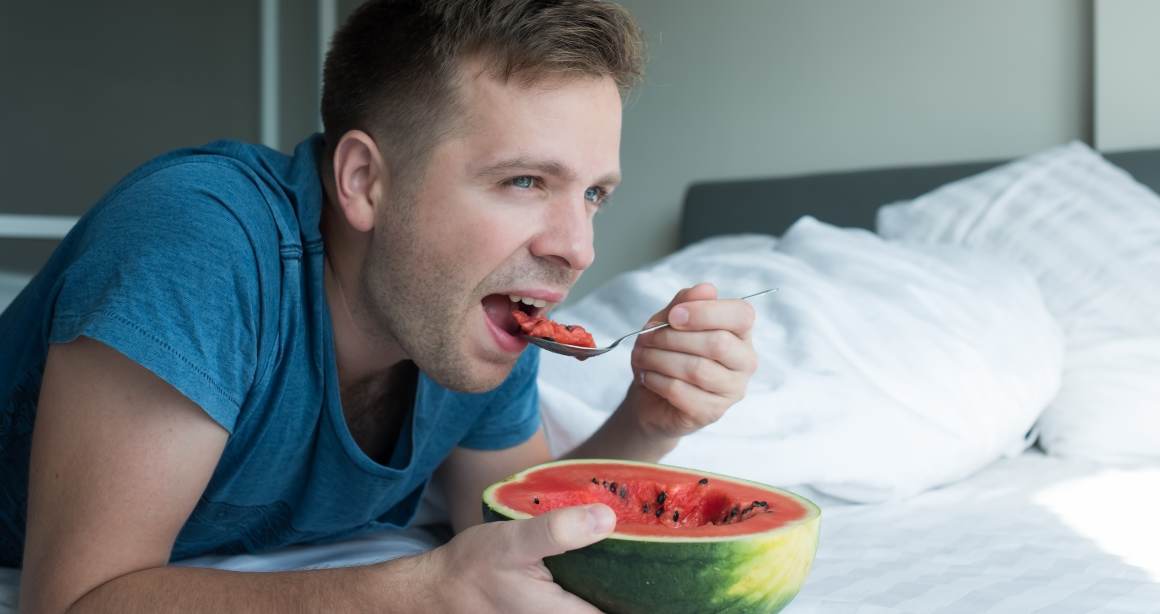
(885,369)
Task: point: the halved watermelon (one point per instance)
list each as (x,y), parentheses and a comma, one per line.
(685,541)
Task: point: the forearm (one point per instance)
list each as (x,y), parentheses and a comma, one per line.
(395,586)
(622,437)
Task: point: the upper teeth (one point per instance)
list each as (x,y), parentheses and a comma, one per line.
(534,302)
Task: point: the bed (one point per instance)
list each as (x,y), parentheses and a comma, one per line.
(1021,535)
(1015,530)
(1028,532)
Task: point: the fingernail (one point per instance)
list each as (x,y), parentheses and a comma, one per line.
(678,316)
(601,519)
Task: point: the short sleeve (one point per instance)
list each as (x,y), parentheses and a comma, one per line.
(513,413)
(165,273)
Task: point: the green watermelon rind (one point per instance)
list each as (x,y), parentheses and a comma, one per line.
(624,573)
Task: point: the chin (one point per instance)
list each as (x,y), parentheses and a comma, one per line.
(471,374)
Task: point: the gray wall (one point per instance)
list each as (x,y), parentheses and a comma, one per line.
(780,87)
(1127,84)
(88,93)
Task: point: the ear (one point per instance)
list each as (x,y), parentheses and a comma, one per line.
(360,178)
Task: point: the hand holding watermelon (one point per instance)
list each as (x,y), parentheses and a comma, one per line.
(498,566)
(687,375)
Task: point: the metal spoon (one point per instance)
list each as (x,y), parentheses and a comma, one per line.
(581,352)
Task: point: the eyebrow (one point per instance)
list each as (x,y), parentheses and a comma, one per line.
(552,168)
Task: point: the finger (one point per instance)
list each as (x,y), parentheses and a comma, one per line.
(555,600)
(706,374)
(698,407)
(735,316)
(559,531)
(699,292)
(719,345)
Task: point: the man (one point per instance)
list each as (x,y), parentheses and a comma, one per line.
(235,350)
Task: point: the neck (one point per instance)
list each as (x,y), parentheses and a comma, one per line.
(360,350)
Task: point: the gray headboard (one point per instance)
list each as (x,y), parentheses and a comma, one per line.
(843,199)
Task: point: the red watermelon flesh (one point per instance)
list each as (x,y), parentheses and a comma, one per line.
(654,501)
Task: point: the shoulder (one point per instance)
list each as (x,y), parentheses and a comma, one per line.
(190,184)
(203,201)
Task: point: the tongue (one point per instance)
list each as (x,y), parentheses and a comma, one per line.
(498,309)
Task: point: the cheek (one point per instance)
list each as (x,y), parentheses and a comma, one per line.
(472,235)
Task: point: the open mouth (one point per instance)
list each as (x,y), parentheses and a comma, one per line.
(499,307)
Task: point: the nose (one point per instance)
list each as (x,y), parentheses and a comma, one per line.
(566,235)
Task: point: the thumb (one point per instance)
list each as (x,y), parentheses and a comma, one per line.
(559,531)
(699,292)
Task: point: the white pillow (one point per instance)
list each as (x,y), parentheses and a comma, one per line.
(1091,236)
(884,369)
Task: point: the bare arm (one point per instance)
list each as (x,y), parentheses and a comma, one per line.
(119,459)
(623,437)
(466,473)
(685,377)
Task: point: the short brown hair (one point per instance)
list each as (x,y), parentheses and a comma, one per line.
(390,67)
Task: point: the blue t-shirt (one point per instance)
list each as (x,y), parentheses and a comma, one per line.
(205,267)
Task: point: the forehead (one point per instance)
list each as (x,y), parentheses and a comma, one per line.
(572,119)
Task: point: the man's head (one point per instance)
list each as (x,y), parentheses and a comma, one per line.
(471,142)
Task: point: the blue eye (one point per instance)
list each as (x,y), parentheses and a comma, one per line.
(524,181)
(594,194)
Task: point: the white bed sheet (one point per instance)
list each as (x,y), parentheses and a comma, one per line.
(1027,534)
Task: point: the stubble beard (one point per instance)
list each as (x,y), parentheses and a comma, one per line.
(425,306)
(417,302)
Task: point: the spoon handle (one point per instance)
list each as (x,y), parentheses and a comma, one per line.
(649,329)
(757,294)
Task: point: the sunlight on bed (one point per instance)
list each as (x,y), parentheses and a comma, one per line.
(1116,509)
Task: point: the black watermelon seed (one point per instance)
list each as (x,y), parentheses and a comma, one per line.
(594,481)
(660,510)
(612,488)
(623,492)
(760,504)
(644,509)
(569,327)
(536,500)
(661,498)
(703,481)
(676,515)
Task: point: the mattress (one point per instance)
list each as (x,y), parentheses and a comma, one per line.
(1027,534)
